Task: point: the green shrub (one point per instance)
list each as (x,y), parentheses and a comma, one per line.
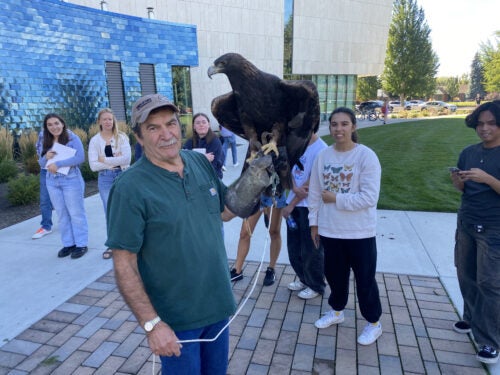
(31,165)
(87,173)
(27,145)
(8,169)
(23,190)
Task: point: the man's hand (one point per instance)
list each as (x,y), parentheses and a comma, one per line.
(163,341)
(474,174)
(227,214)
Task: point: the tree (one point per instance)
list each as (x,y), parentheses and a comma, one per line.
(450,85)
(476,77)
(410,63)
(367,88)
(491,64)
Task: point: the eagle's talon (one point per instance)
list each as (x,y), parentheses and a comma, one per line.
(271,146)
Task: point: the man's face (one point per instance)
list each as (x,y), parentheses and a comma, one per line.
(487,129)
(161,137)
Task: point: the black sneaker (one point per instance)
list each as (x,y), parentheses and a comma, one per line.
(462,327)
(270,276)
(487,354)
(78,252)
(235,276)
(65,251)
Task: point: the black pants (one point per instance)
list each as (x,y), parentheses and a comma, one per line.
(361,255)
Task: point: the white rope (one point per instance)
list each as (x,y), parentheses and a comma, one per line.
(256,277)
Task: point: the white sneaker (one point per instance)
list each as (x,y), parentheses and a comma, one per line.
(296,285)
(329,318)
(236,164)
(40,233)
(370,334)
(224,168)
(308,293)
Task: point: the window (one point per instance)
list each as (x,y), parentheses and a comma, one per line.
(148,79)
(116,94)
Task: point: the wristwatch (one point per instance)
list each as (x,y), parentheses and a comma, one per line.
(149,325)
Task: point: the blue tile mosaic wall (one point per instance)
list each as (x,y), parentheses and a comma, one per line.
(53,56)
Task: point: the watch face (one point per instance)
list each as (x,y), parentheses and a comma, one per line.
(148,327)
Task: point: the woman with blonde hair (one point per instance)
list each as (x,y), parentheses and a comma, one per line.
(109,154)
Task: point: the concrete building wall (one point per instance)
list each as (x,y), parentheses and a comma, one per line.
(252,28)
(331,37)
(340,36)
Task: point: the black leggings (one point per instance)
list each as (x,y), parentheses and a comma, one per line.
(361,255)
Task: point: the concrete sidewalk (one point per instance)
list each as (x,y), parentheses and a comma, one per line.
(66,316)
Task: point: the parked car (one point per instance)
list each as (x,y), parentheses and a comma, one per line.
(370,104)
(414,103)
(396,105)
(437,105)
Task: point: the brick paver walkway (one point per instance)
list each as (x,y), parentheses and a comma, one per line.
(95,333)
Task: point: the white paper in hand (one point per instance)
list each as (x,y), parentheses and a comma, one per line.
(62,153)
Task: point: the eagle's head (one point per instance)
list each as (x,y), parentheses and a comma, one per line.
(230,62)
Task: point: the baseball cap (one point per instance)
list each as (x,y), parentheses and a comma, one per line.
(143,107)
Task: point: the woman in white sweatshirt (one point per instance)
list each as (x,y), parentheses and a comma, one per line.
(109,154)
(343,194)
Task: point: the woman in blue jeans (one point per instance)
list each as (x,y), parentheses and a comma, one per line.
(109,154)
(65,183)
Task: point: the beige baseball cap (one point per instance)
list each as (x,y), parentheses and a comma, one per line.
(143,107)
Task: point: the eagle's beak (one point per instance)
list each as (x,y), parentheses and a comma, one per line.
(211,71)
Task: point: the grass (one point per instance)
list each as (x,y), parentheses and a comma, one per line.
(415,157)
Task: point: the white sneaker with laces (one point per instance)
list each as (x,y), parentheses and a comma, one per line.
(296,285)
(370,333)
(308,293)
(329,318)
(40,233)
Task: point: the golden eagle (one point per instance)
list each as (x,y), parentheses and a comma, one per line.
(271,113)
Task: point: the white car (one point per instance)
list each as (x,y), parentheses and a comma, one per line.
(437,105)
(396,105)
(414,103)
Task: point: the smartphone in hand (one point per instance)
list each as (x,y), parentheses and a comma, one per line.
(453,169)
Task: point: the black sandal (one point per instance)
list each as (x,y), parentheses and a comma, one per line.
(108,254)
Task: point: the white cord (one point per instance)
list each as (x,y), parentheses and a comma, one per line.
(256,277)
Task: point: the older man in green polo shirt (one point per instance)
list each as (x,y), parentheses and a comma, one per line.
(164,226)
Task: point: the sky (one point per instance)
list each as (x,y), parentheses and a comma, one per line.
(458,27)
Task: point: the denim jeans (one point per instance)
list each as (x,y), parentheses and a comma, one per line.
(45,203)
(207,358)
(306,260)
(477,258)
(66,195)
(231,140)
(104,182)
(361,255)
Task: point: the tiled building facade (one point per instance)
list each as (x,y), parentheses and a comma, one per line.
(55,58)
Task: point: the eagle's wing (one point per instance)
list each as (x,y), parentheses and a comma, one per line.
(225,109)
(303,115)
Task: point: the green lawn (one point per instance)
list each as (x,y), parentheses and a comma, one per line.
(415,157)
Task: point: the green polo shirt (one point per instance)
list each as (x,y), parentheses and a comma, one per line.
(174,226)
